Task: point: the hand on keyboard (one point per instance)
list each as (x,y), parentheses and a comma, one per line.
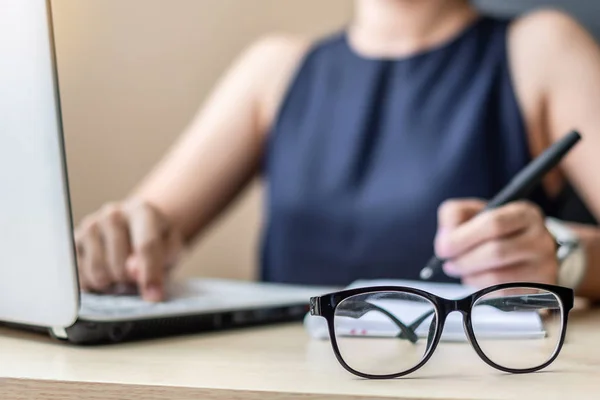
(124,247)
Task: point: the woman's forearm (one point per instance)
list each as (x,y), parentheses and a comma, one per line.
(590,238)
(223,146)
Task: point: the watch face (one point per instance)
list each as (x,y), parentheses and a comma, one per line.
(572,268)
(565,249)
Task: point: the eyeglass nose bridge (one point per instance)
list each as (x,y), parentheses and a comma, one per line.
(461,305)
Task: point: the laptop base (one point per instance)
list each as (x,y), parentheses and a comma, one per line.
(95,333)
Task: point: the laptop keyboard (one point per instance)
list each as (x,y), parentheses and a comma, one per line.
(194,296)
(179,301)
(126,305)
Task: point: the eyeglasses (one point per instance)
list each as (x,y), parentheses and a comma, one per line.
(387,332)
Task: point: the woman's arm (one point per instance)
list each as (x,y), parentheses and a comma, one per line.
(220,150)
(138,241)
(561,63)
(555,67)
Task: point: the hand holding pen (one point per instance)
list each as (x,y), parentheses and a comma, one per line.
(503,240)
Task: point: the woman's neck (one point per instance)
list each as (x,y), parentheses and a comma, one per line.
(403,27)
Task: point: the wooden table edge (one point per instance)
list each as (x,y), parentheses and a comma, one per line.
(39,389)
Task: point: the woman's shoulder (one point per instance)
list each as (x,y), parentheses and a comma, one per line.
(553,22)
(273,60)
(545,44)
(546,48)
(278,45)
(272,57)
(548,32)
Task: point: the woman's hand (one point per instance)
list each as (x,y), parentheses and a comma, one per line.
(126,245)
(507,244)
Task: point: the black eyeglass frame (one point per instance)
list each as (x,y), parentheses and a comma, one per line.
(325,306)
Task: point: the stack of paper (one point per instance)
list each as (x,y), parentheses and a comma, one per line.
(490,322)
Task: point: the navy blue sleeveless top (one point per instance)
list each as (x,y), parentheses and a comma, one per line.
(364,150)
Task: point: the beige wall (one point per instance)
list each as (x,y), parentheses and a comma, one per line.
(132,74)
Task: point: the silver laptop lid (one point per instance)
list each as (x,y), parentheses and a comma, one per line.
(38,279)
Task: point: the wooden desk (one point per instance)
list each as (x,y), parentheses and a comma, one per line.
(277,363)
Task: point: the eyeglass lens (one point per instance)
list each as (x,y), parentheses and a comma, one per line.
(384,333)
(511,346)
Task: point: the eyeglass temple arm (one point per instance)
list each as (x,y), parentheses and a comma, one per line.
(522,302)
(504,303)
(416,323)
(356,309)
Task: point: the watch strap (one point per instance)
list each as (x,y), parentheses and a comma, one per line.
(569,252)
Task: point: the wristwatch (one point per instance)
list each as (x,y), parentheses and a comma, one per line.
(570,254)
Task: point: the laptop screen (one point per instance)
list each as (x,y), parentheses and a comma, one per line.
(38,281)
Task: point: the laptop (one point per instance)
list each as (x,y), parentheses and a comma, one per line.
(38,266)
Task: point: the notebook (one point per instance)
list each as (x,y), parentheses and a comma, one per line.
(491,323)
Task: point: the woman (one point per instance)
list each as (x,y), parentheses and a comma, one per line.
(378,146)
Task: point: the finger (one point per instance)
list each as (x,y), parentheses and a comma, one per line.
(132,267)
(117,245)
(79,235)
(149,251)
(500,253)
(528,272)
(94,261)
(79,251)
(83,283)
(174,248)
(485,279)
(453,213)
(489,225)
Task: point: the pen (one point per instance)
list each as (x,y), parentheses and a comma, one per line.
(519,186)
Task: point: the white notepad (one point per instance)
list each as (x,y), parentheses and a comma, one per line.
(491,322)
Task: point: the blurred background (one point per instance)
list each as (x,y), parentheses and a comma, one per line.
(133,73)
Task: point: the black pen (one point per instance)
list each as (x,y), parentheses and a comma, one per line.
(520,186)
